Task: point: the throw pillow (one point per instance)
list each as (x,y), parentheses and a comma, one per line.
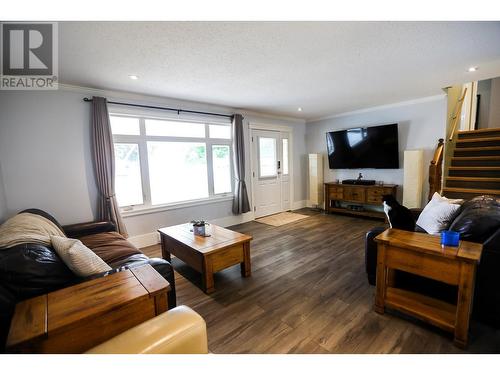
(78,257)
(438,214)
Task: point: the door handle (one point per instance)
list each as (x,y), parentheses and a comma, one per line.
(279,164)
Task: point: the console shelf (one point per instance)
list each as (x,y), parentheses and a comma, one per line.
(364,196)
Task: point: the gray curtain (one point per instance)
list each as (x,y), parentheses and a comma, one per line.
(104,165)
(240,201)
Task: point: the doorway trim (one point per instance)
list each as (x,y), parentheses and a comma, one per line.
(278,128)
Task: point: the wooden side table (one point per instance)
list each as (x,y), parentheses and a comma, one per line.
(423,255)
(77,318)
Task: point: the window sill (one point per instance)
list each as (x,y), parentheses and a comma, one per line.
(174,206)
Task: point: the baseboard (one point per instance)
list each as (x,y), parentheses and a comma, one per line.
(309,204)
(153,238)
(144,240)
(233,220)
(298,205)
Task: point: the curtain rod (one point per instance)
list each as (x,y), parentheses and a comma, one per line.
(165,108)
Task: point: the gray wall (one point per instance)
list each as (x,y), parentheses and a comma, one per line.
(484,90)
(45,153)
(46,161)
(494,119)
(421,124)
(3,201)
(489,106)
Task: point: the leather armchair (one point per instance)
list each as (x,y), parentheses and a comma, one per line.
(177,331)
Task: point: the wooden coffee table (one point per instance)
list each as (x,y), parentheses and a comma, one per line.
(422,254)
(222,249)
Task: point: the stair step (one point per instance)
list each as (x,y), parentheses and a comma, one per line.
(473,182)
(468,193)
(477,151)
(474,171)
(478,142)
(477,161)
(479,133)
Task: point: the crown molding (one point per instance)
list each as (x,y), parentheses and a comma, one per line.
(381,107)
(152,99)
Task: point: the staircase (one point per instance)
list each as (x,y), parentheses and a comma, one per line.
(475,165)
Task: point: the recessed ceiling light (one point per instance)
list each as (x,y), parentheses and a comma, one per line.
(134,77)
(472,68)
(299,109)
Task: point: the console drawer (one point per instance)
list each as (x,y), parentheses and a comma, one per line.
(375,199)
(354,194)
(338,196)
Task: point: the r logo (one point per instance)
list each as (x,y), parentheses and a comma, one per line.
(27,49)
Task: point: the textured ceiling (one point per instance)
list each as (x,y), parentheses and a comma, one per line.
(275,67)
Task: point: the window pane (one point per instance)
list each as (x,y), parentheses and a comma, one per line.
(285,156)
(267,157)
(220,131)
(177,171)
(175,128)
(125,125)
(128,183)
(222,169)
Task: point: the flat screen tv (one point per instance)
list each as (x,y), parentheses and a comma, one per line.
(367,147)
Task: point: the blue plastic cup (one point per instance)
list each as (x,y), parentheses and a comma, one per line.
(450,238)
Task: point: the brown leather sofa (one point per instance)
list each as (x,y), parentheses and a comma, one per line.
(29,270)
(177,331)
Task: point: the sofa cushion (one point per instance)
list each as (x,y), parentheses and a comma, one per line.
(78,257)
(111,247)
(479,219)
(29,270)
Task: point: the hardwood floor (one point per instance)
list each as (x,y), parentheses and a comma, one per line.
(308,293)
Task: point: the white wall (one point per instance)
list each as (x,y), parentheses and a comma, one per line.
(421,124)
(46,159)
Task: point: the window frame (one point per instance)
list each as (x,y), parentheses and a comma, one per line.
(142,141)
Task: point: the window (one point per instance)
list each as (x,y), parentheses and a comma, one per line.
(285,156)
(163,161)
(175,129)
(128,174)
(268,161)
(177,171)
(222,169)
(218,131)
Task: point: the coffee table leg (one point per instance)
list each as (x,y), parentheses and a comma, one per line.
(164,249)
(208,276)
(246,266)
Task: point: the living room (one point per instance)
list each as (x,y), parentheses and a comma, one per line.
(210,187)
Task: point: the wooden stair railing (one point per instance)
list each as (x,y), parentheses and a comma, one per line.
(436,170)
(456,117)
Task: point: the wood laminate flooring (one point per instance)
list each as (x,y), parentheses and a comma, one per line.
(308,293)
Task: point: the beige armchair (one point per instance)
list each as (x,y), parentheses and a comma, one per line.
(177,331)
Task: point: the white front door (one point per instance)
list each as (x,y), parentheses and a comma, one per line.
(271,186)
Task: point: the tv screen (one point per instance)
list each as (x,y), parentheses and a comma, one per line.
(369,147)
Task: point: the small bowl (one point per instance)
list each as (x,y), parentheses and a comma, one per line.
(450,238)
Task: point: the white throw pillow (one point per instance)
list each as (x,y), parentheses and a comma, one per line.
(78,257)
(442,198)
(438,214)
